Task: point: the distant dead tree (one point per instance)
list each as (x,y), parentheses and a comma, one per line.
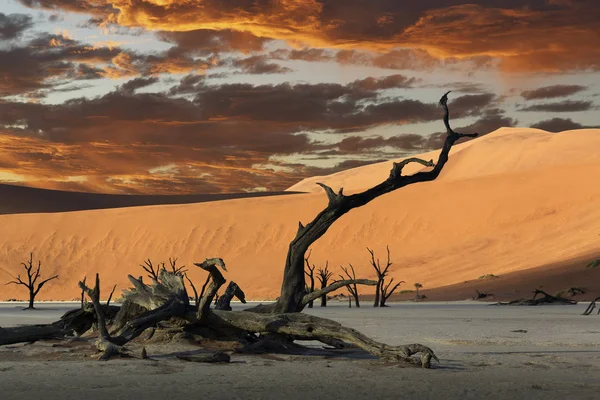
(386,292)
(310,272)
(591,307)
(481,295)
(32,276)
(353,287)
(417,295)
(323,275)
(382,293)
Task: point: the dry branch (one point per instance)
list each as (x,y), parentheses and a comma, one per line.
(335,286)
(352,288)
(232,290)
(591,307)
(216,281)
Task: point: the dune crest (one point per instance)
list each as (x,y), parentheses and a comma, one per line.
(512,200)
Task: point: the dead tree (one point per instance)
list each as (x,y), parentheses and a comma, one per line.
(481,295)
(32,276)
(380,290)
(310,272)
(591,307)
(352,288)
(537,301)
(418,296)
(293,287)
(386,292)
(323,275)
(144,306)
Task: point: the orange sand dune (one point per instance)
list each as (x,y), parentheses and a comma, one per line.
(512,200)
(21,199)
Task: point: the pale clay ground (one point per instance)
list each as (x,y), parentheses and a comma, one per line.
(480,359)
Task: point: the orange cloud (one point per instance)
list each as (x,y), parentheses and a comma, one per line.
(526,35)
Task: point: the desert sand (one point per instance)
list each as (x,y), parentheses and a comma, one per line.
(22,199)
(485,352)
(514,200)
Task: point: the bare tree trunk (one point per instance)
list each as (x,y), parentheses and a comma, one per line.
(31,299)
(377,293)
(324,296)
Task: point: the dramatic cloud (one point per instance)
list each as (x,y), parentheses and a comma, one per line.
(46,60)
(225,137)
(526,35)
(549,92)
(212,41)
(13,25)
(258,65)
(564,106)
(560,125)
(131,86)
(164,96)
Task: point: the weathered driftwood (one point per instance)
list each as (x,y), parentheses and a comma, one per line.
(302,326)
(103,343)
(591,307)
(74,322)
(233,290)
(546,299)
(216,281)
(33,333)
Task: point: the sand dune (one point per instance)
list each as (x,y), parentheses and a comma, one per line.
(21,199)
(510,201)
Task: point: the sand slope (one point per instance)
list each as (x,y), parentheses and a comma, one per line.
(21,199)
(512,200)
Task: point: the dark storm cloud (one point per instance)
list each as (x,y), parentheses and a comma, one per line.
(13,25)
(549,92)
(564,106)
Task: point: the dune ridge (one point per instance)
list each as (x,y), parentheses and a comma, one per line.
(513,200)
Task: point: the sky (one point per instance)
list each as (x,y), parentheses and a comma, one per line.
(216,96)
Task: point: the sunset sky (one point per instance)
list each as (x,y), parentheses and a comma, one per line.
(208,96)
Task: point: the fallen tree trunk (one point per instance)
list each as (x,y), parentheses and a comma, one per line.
(74,322)
(335,286)
(299,326)
(33,333)
(536,301)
